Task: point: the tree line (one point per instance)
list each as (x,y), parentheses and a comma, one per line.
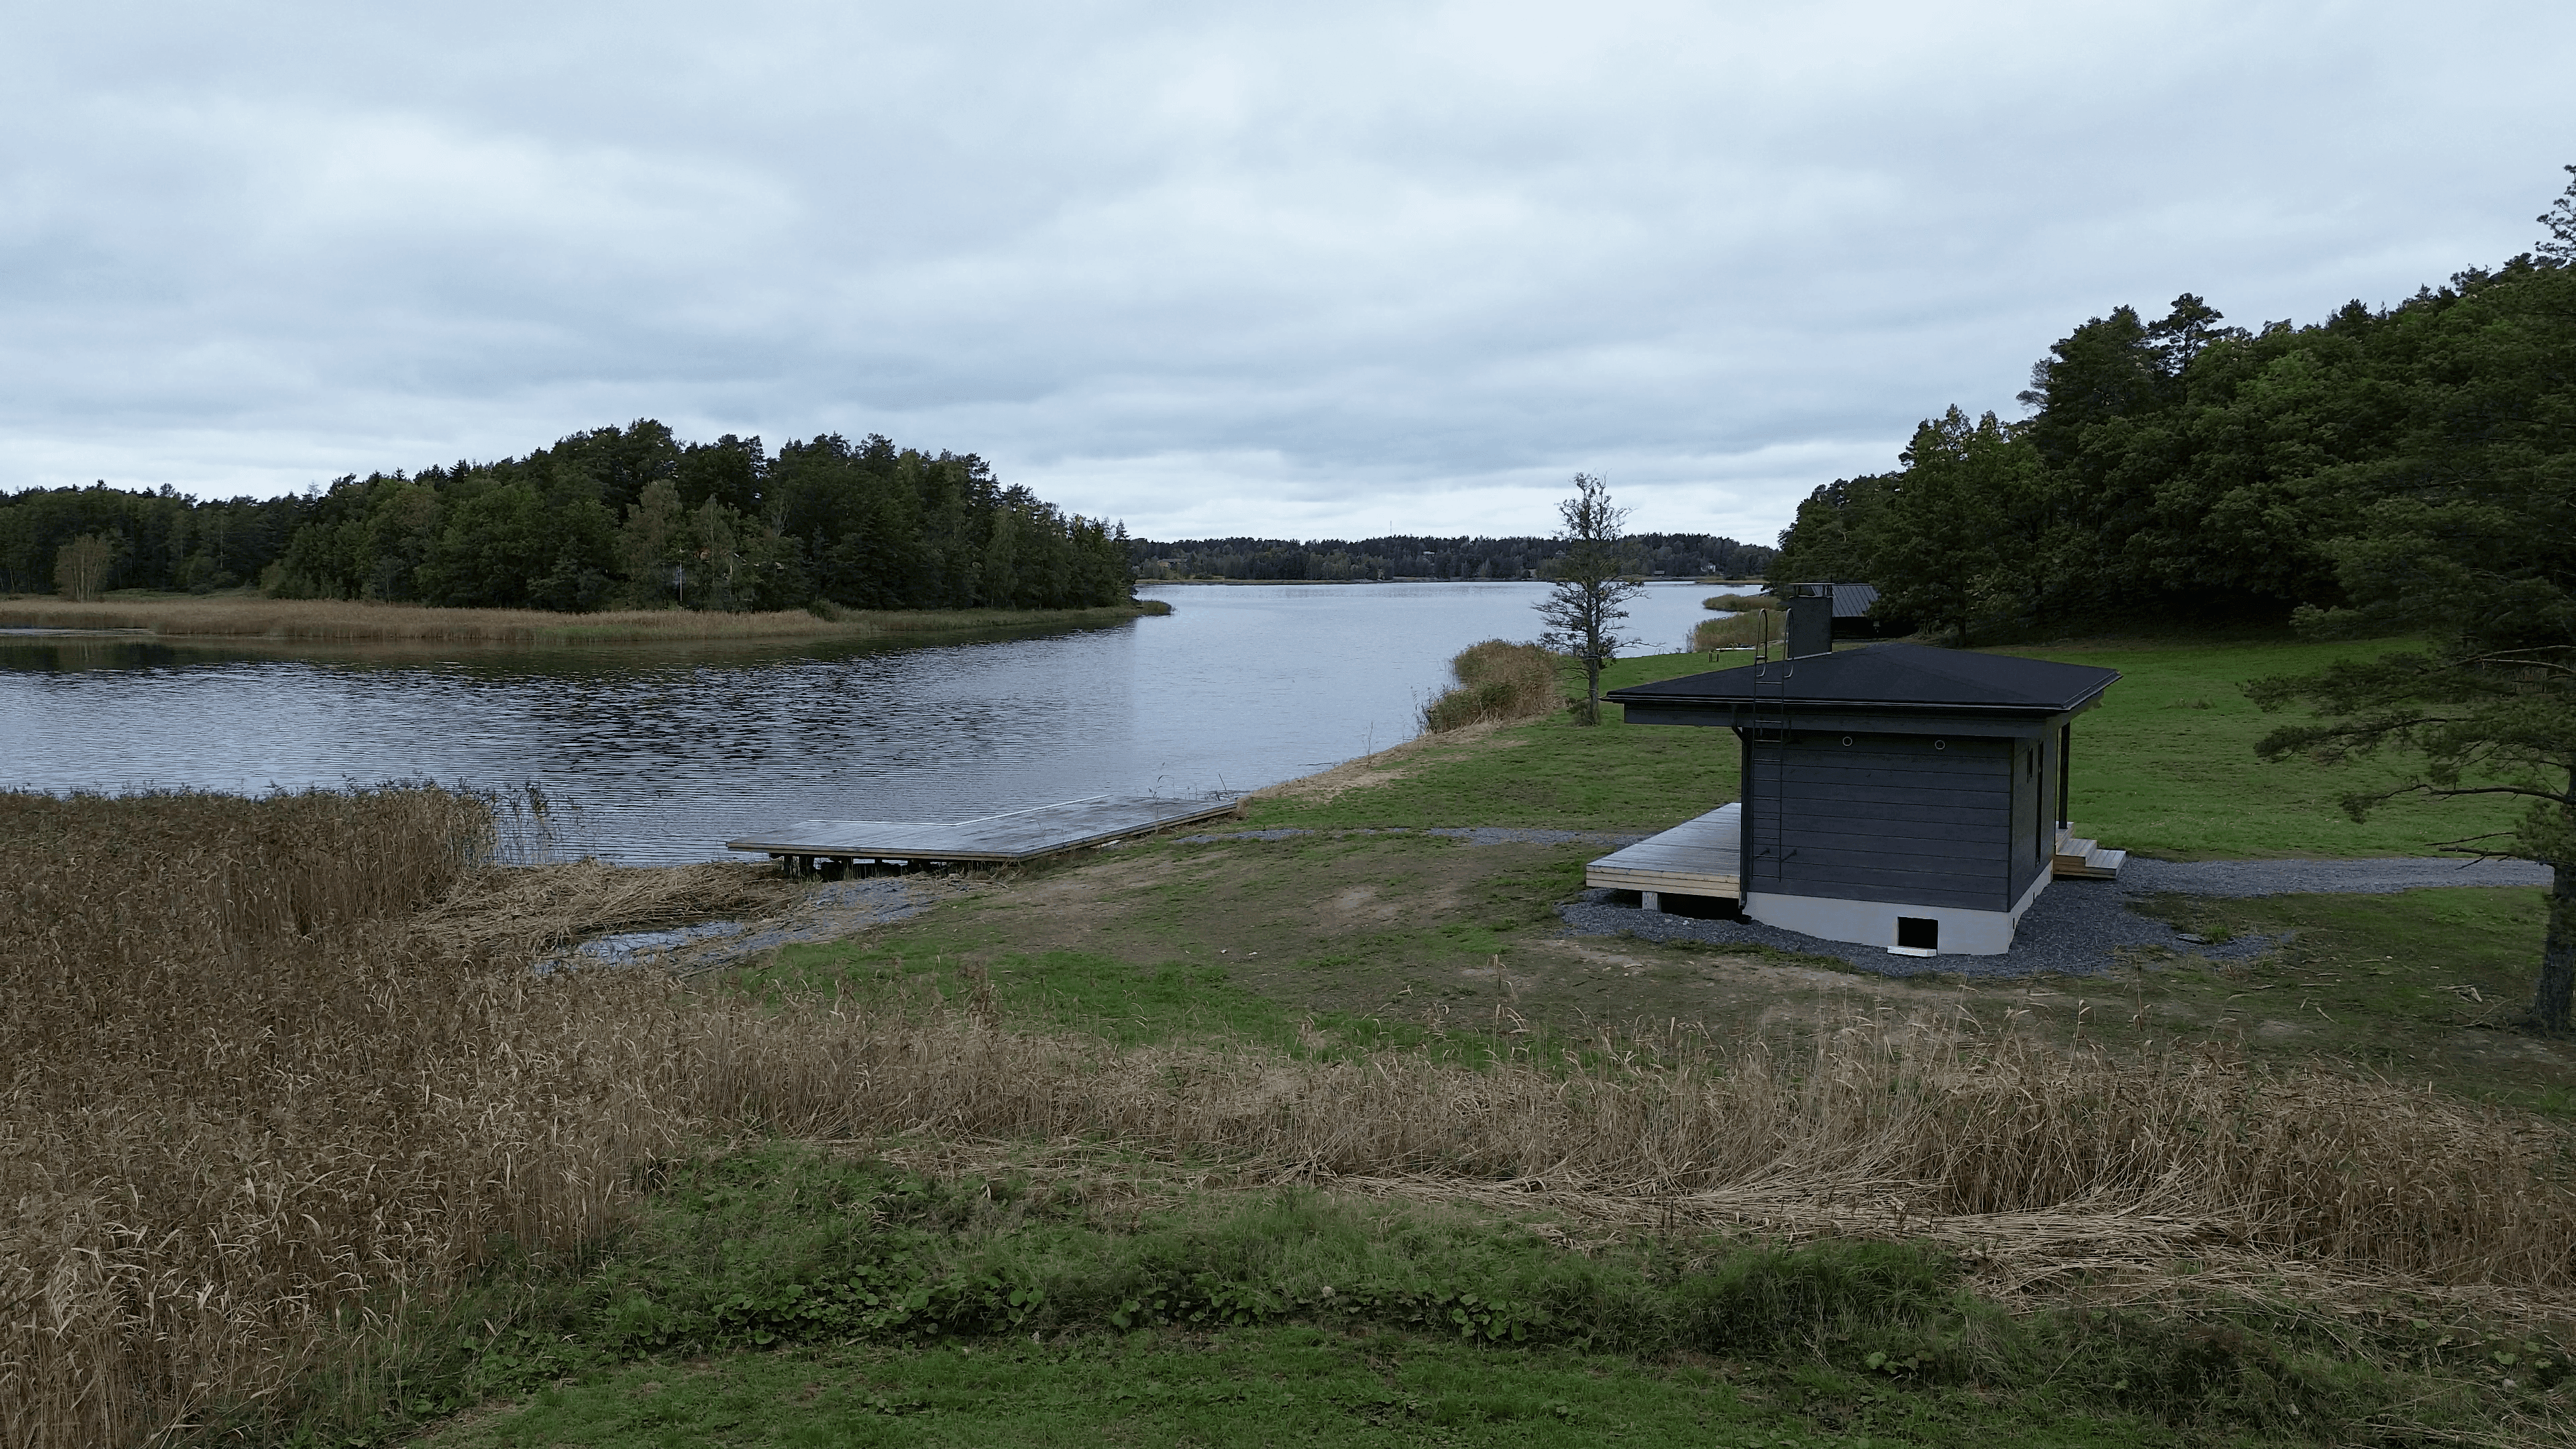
(2183,468)
(1414,556)
(609,518)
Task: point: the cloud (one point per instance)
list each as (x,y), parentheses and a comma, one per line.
(1314,270)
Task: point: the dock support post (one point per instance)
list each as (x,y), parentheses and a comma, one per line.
(1651,900)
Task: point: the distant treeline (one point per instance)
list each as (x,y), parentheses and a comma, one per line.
(1685,555)
(2181,468)
(616,517)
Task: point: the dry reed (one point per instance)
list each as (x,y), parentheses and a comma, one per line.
(269,1086)
(1746,630)
(1497,681)
(355,622)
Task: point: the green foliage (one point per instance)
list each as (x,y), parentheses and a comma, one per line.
(783,1256)
(155,540)
(2184,469)
(1402,556)
(629,517)
(1585,609)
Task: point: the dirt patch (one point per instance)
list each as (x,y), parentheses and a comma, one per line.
(1384,767)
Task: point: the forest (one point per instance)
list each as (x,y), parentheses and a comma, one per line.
(2181,469)
(1684,555)
(612,517)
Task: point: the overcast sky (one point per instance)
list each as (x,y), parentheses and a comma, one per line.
(1304,270)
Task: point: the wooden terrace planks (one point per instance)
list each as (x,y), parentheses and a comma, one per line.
(1006,838)
(1699,857)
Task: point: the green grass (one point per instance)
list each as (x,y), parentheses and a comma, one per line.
(781,1297)
(2166,766)
(1260,1387)
(2420,986)
(849,1302)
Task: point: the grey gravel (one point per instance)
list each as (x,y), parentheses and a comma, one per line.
(827,913)
(2077,927)
(2321,877)
(2073,929)
(1472,834)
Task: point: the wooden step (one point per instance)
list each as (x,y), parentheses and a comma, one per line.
(2096,863)
(2072,852)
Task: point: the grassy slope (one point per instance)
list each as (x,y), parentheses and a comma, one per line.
(1270,1317)
(2165,767)
(1230,939)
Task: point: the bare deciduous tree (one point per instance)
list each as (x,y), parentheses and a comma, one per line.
(80,567)
(1584,611)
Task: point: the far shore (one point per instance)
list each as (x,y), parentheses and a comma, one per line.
(237,618)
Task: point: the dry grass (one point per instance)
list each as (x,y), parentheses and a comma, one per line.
(346,622)
(1497,681)
(1746,630)
(1733,603)
(277,1071)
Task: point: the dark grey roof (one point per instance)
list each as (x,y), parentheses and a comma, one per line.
(1852,601)
(1889,676)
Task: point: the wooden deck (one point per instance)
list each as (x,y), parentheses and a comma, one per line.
(1695,858)
(1004,839)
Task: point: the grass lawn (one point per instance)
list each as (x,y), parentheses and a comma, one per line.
(789,1297)
(2165,768)
(736,1310)
(1257,1387)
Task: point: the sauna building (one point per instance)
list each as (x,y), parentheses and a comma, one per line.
(1894,795)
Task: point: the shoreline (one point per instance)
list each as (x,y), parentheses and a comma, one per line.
(248,620)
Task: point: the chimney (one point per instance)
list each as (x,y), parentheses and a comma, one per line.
(1811,620)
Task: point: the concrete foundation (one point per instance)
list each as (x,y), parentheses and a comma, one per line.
(1873,923)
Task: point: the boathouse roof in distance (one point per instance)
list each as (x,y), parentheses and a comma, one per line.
(1891,678)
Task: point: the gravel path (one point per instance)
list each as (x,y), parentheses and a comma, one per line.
(830,912)
(1472,834)
(2331,877)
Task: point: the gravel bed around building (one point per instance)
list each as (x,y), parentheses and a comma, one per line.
(2074,928)
(2077,927)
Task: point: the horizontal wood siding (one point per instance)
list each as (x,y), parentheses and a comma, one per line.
(1885,818)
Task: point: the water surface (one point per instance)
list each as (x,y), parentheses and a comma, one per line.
(670,751)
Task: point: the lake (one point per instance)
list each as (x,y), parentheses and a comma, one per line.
(667,752)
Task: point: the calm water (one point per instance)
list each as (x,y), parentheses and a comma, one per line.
(670,752)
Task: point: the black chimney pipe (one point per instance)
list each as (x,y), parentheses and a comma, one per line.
(1811,620)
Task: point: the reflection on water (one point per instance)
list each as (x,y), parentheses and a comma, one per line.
(670,751)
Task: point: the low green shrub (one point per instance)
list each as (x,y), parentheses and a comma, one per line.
(783,1246)
(1497,680)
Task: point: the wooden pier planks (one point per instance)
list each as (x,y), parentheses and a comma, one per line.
(1013,836)
(1701,857)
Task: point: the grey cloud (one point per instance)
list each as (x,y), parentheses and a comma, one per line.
(1313,270)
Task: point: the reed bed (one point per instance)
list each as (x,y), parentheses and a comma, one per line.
(1498,681)
(1737,603)
(271,1089)
(356,622)
(1746,630)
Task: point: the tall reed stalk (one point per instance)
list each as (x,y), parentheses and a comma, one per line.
(266,1095)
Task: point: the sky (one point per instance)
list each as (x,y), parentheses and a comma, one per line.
(1309,270)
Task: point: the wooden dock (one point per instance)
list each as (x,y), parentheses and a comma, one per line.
(1701,857)
(866,847)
